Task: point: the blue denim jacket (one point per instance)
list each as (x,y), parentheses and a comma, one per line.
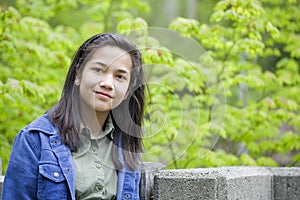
(41,167)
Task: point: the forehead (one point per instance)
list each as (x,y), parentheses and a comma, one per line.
(111,55)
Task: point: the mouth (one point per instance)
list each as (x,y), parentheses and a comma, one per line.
(103,94)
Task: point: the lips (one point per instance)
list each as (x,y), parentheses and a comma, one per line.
(103,94)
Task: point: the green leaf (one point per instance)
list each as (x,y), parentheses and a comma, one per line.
(247,160)
(266,161)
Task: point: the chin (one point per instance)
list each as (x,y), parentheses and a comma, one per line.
(103,109)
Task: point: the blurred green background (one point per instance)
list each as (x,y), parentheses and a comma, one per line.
(252,46)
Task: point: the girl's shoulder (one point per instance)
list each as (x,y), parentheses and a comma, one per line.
(35,134)
(40,132)
(42,124)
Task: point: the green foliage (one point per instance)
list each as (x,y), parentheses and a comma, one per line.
(35,56)
(44,9)
(33,61)
(262,121)
(252,53)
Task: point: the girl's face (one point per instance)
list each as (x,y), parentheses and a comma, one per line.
(105,79)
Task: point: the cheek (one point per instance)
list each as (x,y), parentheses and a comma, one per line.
(123,90)
(122,93)
(89,81)
(86,88)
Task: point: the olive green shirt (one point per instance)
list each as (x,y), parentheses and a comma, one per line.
(96,176)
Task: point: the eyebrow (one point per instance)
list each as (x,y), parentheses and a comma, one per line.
(124,71)
(100,63)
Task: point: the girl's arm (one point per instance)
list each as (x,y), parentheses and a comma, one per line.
(21,176)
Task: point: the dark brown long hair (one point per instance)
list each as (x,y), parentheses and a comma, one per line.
(127,117)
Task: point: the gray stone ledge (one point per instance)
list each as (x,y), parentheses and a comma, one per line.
(225,183)
(286,183)
(1,183)
(228,183)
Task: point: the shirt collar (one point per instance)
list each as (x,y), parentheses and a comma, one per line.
(108,129)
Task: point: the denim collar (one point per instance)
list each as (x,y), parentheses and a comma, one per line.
(44,125)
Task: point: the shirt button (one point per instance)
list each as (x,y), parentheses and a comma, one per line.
(99,187)
(98,165)
(94,150)
(56,174)
(127,196)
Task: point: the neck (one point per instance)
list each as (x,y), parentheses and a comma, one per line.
(94,120)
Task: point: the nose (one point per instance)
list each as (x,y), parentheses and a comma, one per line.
(106,82)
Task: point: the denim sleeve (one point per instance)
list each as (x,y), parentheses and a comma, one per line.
(128,185)
(128,180)
(21,176)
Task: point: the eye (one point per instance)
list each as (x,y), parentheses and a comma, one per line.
(98,69)
(121,77)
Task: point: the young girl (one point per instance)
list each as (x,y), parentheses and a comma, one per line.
(88,145)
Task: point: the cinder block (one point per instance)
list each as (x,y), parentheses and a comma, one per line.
(185,184)
(1,183)
(286,181)
(224,183)
(245,183)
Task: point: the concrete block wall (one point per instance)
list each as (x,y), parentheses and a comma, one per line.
(222,183)
(228,183)
(286,183)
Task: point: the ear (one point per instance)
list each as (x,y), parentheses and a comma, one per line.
(77,79)
(77,82)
